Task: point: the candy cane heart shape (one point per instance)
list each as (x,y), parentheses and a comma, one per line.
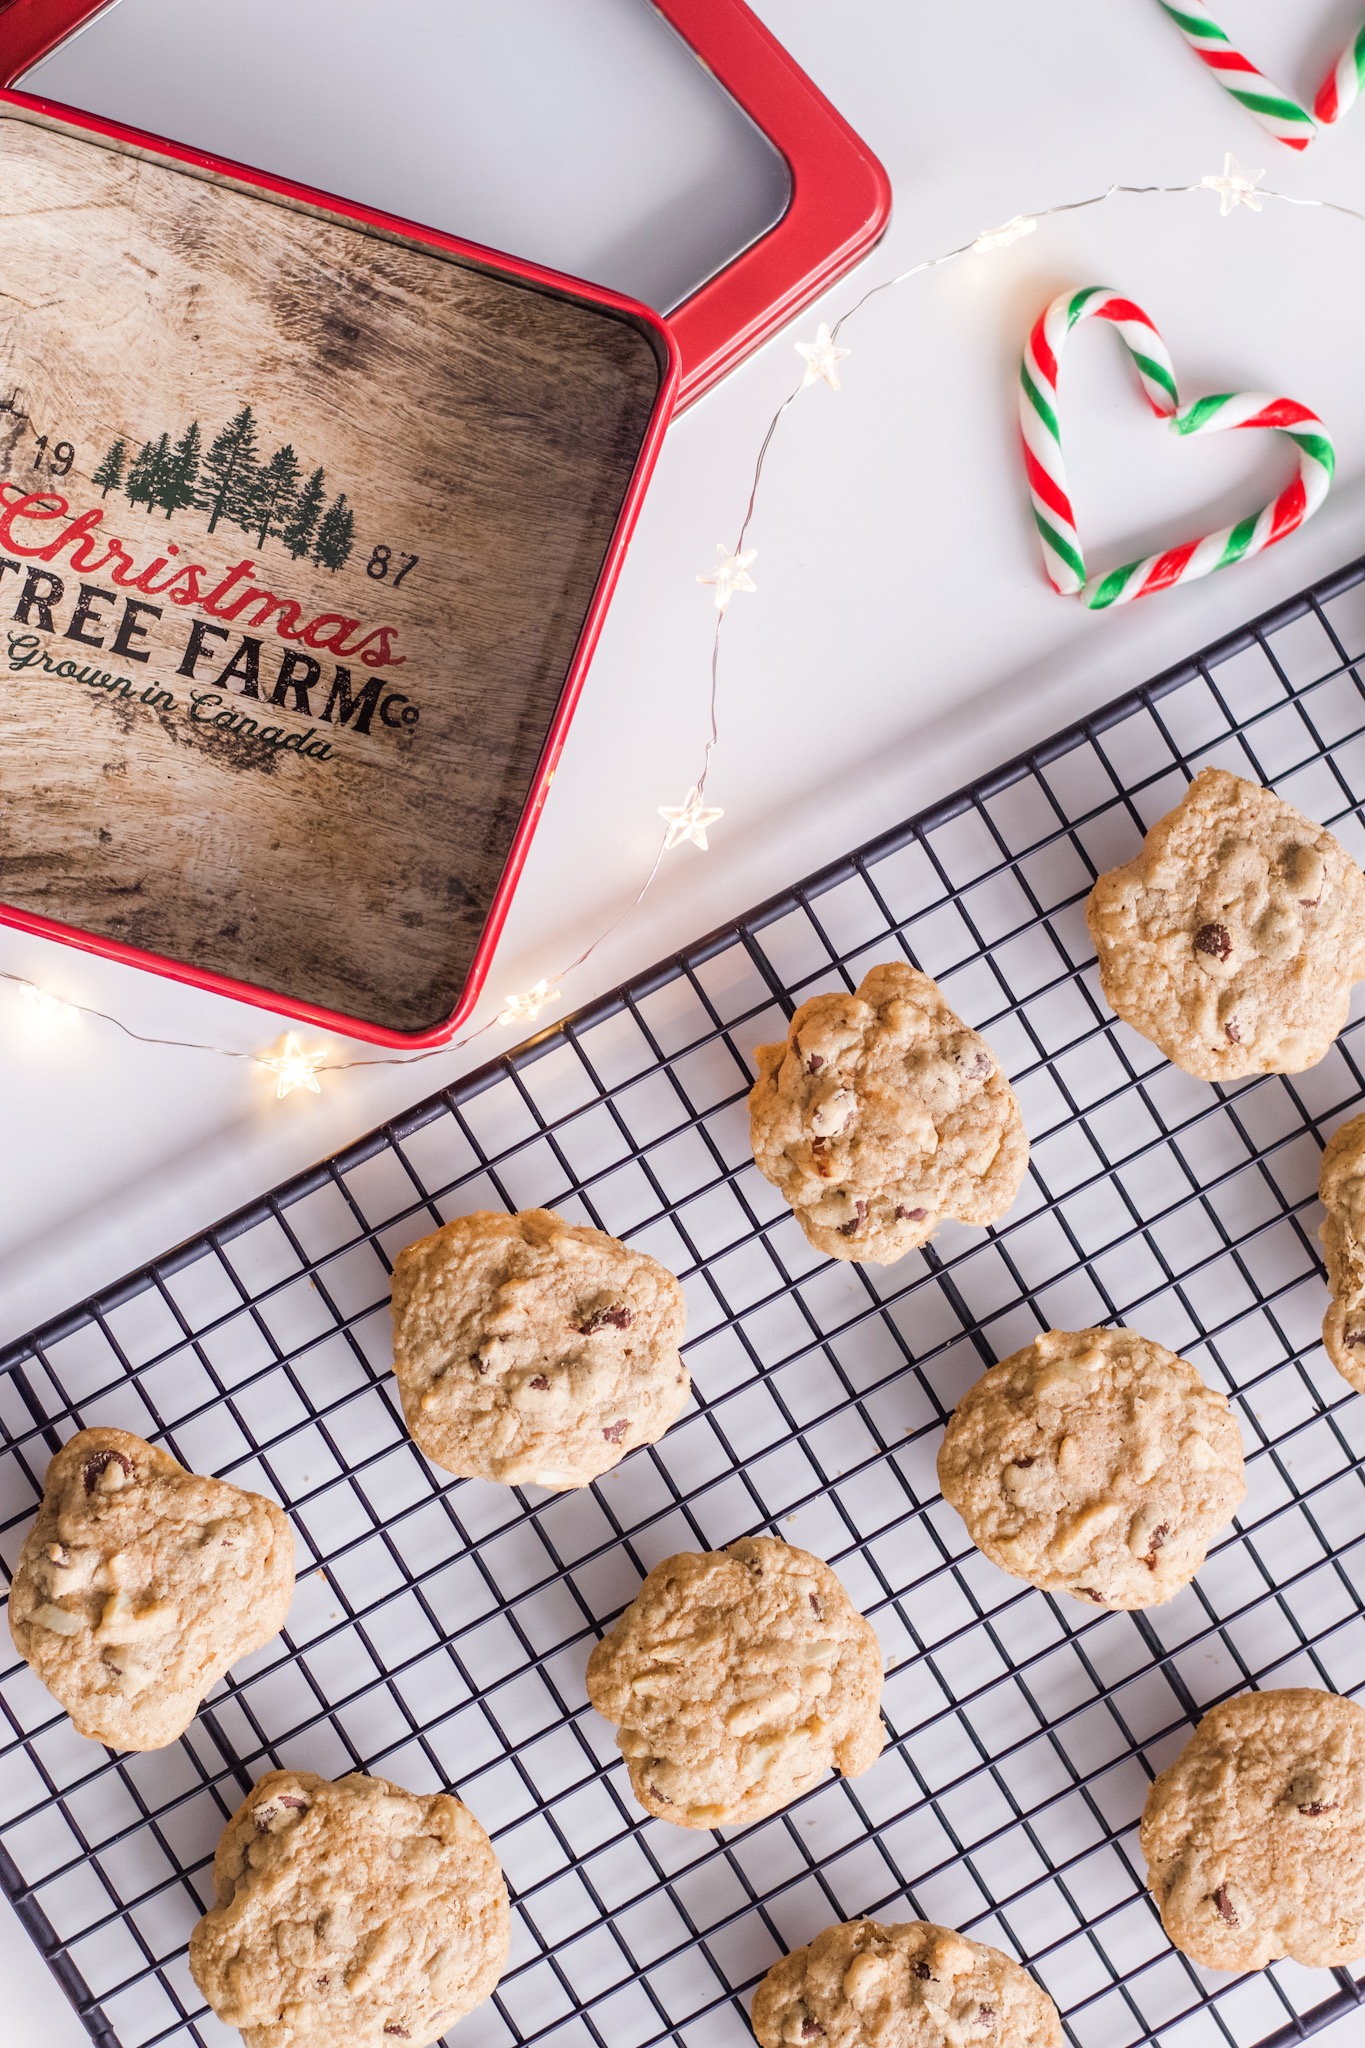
(1062,555)
(1276,110)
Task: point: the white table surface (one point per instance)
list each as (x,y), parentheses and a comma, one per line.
(901,640)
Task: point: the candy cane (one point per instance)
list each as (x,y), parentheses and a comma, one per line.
(1063,559)
(1274,108)
(1342,89)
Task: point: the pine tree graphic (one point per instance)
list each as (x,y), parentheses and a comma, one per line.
(109,475)
(298,534)
(268,500)
(273,498)
(144,478)
(336,536)
(228,483)
(178,481)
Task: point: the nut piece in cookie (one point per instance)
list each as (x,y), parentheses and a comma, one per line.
(862,1985)
(349,1915)
(1341,1185)
(1232,939)
(881,1114)
(140,1583)
(737,1678)
(1095,1463)
(1255,1836)
(534,1351)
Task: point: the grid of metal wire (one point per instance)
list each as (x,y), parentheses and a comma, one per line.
(440,1630)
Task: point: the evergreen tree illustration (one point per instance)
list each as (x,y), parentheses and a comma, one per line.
(273,498)
(179,477)
(336,535)
(146,474)
(303,524)
(109,475)
(228,479)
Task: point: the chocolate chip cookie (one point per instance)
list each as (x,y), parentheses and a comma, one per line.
(1233,938)
(1341,1183)
(535,1351)
(1255,1836)
(737,1678)
(1095,1463)
(880,1114)
(862,1985)
(349,1915)
(140,1583)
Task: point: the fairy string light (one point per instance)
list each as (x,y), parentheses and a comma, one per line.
(294,1067)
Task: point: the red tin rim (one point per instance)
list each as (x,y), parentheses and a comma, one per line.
(507,266)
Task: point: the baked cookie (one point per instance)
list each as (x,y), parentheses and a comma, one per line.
(1255,1836)
(880,1114)
(1341,1183)
(140,1583)
(862,1985)
(535,1351)
(1096,1463)
(737,1678)
(349,1915)
(1232,939)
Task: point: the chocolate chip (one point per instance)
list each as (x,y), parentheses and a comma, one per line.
(1317,1807)
(1089,1593)
(855,1221)
(814,1062)
(1355,1337)
(911,1215)
(1022,1464)
(614,1431)
(662,1797)
(287,1799)
(1213,939)
(1231,1033)
(479,1364)
(811,2030)
(539,1382)
(100,1463)
(814,1606)
(620,1318)
(1227,1912)
(986,2015)
(923,1971)
(322,1982)
(1159,1535)
(393,2028)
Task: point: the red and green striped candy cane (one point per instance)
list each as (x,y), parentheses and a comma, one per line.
(1274,108)
(1041,427)
(1342,89)
(1062,556)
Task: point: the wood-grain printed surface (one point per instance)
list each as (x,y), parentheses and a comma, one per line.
(484,426)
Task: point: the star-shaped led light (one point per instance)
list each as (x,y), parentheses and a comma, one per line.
(730,574)
(43,1004)
(688,821)
(293,1068)
(526,1008)
(1234,187)
(822,358)
(991,239)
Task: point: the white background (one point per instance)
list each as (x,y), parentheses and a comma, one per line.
(901,640)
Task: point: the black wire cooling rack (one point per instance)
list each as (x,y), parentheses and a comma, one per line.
(440,1630)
